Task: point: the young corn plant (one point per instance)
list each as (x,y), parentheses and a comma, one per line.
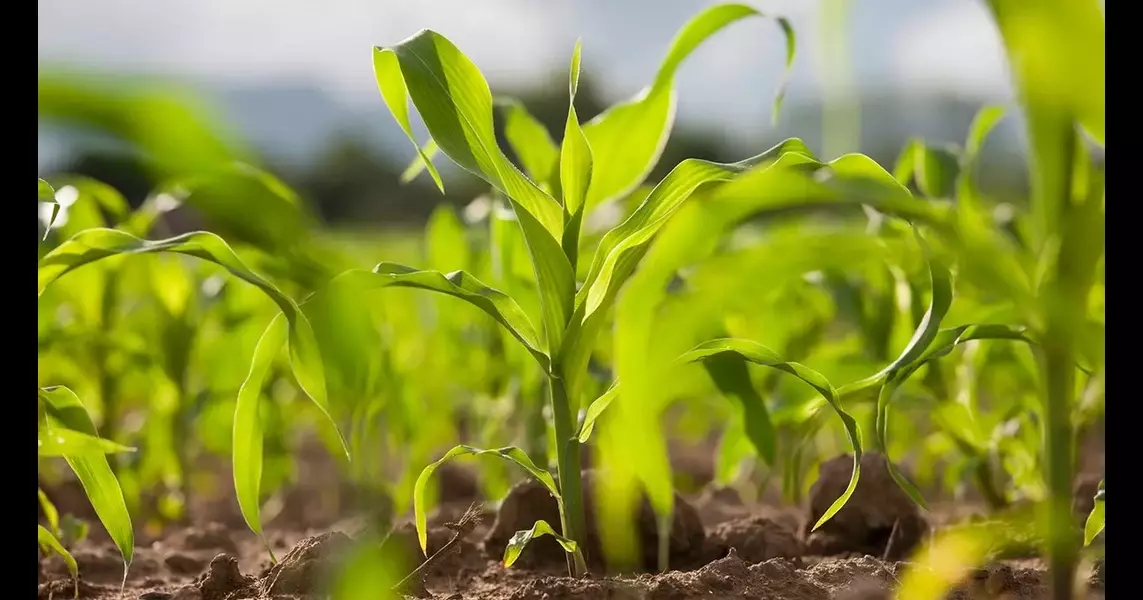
(66,431)
(600,161)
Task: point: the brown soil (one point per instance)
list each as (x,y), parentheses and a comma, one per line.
(721,548)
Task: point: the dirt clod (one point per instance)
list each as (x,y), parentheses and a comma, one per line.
(756,539)
(879,519)
(303,570)
(223,578)
(529,501)
(1096,580)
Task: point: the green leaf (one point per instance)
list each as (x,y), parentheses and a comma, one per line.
(594,410)
(733,381)
(1094,524)
(458,284)
(64,409)
(907,161)
(455,103)
(947,339)
(936,171)
(884,397)
(620,249)
(391,83)
(530,140)
(575,165)
(521,538)
(96,244)
(627,139)
(888,379)
(424,157)
(983,123)
(64,442)
(758,354)
(49,542)
(511,453)
(47,192)
(926,331)
(246,455)
(50,513)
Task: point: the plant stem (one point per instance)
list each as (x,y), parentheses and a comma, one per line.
(567,459)
(1058,439)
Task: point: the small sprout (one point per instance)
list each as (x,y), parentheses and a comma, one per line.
(521,538)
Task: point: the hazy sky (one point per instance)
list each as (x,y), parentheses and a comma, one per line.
(911,44)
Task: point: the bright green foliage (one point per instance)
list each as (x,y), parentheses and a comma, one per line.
(94,244)
(50,544)
(521,538)
(63,410)
(61,442)
(48,194)
(598,162)
(1094,524)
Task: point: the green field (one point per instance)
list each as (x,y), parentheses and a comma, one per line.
(739,377)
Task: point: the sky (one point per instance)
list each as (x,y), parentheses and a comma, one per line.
(894,45)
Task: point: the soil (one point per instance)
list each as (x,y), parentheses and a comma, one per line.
(720,548)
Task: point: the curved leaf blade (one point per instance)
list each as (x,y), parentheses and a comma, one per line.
(575,165)
(1095,519)
(47,192)
(50,513)
(983,123)
(520,539)
(538,154)
(455,103)
(511,453)
(246,455)
(64,442)
(621,247)
(391,83)
(64,409)
(575,152)
(49,542)
(458,284)
(594,410)
(425,156)
(628,139)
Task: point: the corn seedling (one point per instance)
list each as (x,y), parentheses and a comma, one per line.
(595,163)
(66,431)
